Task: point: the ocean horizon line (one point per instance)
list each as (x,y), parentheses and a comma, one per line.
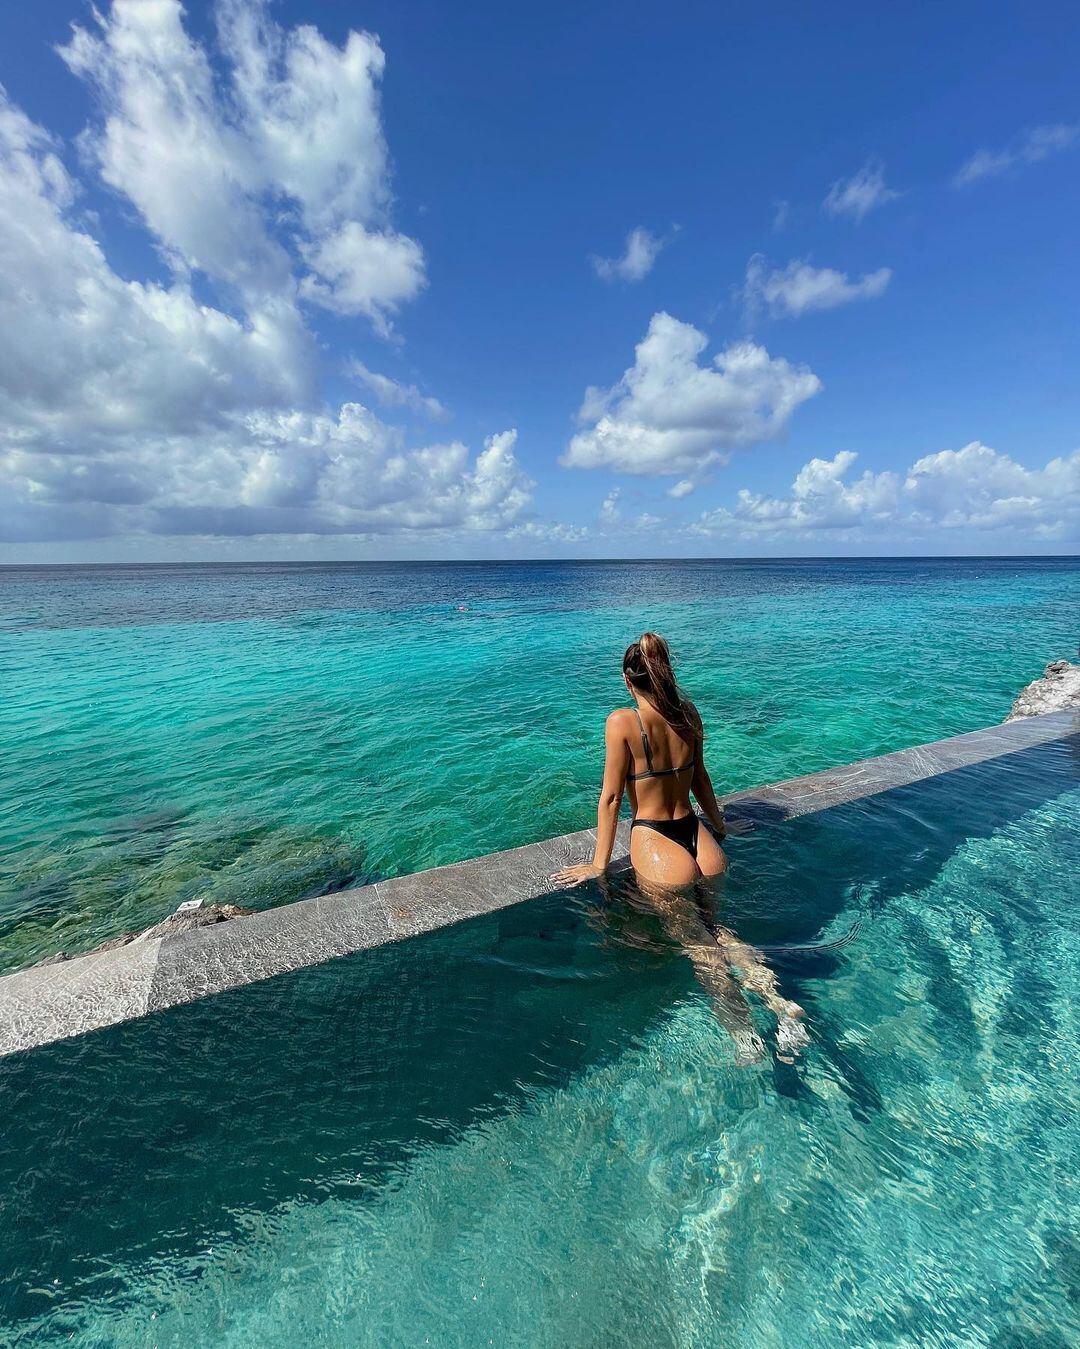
(530,561)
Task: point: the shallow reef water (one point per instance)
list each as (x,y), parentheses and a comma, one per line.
(257,734)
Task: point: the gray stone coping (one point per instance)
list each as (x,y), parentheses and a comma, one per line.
(58,1001)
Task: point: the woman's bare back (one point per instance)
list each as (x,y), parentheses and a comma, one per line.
(663,767)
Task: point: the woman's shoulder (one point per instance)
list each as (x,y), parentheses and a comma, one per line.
(620,718)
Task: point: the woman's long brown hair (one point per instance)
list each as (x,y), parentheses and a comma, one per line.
(647,665)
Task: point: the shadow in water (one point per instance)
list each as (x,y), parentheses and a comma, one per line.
(154,1139)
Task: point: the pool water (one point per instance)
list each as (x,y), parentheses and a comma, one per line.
(530,1128)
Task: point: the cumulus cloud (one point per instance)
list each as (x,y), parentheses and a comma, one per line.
(392,394)
(1034,146)
(978,487)
(671,414)
(610,513)
(863,192)
(86,356)
(132,407)
(297,129)
(641,251)
(800,288)
(822,499)
(973,489)
(268,473)
(547,532)
(361,271)
(681,489)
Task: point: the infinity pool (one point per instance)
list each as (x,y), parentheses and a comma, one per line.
(530,1129)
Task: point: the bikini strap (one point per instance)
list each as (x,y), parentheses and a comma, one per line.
(644,739)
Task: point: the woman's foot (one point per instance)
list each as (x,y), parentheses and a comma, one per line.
(791,1037)
(749,1047)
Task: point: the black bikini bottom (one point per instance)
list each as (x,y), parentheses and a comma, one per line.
(682,831)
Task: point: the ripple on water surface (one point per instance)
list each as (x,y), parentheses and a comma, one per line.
(269,732)
(531,1128)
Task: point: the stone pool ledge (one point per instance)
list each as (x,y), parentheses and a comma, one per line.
(57,1001)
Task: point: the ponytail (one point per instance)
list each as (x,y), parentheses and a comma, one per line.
(647,665)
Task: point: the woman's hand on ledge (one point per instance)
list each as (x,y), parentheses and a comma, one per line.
(577,875)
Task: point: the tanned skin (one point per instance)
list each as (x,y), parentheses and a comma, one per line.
(725,965)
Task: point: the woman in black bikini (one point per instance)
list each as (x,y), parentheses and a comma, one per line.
(654,750)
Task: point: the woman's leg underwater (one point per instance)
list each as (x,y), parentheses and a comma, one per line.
(759,978)
(683,924)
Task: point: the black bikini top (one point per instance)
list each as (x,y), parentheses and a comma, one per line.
(652,772)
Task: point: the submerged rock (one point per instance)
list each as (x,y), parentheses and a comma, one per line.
(185,919)
(181,921)
(109,945)
(54,959)
(1057,690)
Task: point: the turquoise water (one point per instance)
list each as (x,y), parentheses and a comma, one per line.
(530,1129)
(256,734)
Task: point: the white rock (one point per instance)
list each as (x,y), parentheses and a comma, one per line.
(1057,690)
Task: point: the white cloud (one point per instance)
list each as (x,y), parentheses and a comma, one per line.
(642,250)
(85,355)
(800,288)
(781,216)
(269,473)
(392,394)
(361,271)
(669,414)
(548,532)
(310,111)
(974,489)
(681,489)
(609,508)
(298,142)
(1032,147)
(978,487)
(863,192)
(821,499)
(129,407)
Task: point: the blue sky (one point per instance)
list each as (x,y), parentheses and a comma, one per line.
(604,280)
